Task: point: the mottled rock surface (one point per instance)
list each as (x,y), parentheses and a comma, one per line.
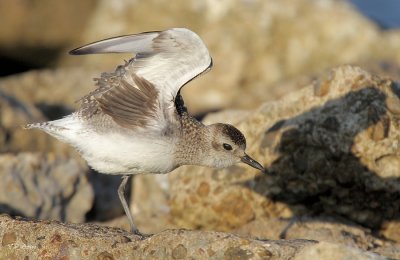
(326,250)
(50,239)
(24,99)
(325,229)
(330,149)
(37,96)
(44,187)
(149,203)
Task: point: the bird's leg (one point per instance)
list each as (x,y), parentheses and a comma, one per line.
(121,194)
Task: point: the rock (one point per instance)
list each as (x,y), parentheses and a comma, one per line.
(331,231)
(254,44)
(267,37)
(329,149)
(326,250)
(44,187)
(35,32)
(391,230)
(14,114)
(150,204)
(323,230)
(121,222)
(50,90)
(24,99)
(266,228)
(342,148)
(107,205)
(319,229)
(41,239)
(391,251)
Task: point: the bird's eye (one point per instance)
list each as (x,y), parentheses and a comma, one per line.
(227,147)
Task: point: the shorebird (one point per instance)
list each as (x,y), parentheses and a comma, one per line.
(136,121)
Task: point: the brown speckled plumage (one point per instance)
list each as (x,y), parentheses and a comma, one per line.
(131,104)
(89,106)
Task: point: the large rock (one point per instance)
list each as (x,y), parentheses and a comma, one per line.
(38,96)
(321,229)
(329,149)
(326,250)
(22,238)
(255,44)
(43,95)
(51,90)
(149,203)
(35,32)
(44,187)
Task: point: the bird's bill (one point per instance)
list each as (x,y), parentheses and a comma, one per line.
(253,163)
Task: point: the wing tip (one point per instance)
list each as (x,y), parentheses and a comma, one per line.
(74,52)
(108,45)
(80,51)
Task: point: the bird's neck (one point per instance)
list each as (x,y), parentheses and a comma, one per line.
(194,141)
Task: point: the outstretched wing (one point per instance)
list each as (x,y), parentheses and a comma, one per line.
(145,88)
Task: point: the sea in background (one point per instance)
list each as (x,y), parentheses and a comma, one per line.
(386,13)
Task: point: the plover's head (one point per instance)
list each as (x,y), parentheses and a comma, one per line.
(228,147)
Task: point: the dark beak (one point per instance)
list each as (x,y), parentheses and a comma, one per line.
(253,163)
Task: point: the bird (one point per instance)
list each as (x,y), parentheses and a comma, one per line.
(136,121)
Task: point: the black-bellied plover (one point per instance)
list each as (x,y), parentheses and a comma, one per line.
(136,122)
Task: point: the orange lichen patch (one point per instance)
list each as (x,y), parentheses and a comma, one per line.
(9,239)
(204,189)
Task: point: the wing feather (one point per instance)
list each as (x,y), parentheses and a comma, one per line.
(141,43)
(131,105)
(147,85)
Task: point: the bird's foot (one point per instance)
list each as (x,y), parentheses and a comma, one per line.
(140,234)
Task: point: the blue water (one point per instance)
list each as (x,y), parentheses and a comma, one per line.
(386,13)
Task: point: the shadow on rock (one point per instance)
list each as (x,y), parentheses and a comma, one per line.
(332,161)
(106,204)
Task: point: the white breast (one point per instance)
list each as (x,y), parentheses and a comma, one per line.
(115,153)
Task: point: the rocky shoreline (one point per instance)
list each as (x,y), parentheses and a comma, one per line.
(328,135)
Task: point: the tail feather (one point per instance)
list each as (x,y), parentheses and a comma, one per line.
(65,129)
(44,126)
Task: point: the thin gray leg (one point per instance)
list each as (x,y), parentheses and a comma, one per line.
(121,194)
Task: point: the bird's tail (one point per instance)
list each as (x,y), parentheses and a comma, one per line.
(45,126)
(64,129)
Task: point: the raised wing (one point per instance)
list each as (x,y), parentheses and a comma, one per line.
(131,105)
(164,60)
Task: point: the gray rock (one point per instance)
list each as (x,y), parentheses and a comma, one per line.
(37,96)
(44,187)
